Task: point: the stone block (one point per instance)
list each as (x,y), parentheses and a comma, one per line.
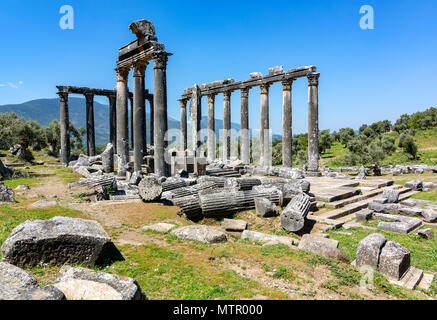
(394,260)
(369,249)
(234,225)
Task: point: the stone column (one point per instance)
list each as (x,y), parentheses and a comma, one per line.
(313,122)
(226,125)
(151,121)
(264,128)
(196,117)
(131,99)
(138,119)
(91,140)
(112,121)
(122,121)
(183,103)
(244,127)
(286,123)
(65,128)
(211,128)
(160,113)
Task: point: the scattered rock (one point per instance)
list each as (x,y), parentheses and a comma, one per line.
(22,187)
(397,227)
(44,203)
(323,248)
(58,241)
(135,178)
(265,208)
(85,284)
(320,237)
(409,203)
(108,158)
(392,195)
(381,200)
(234,225)
(200,233)
(160,227)
(5,172)
(429,215)
(426,233)
(394,260)
(369,249)
(6,194)
(364,215)
(415,185)
(268,238)
(150,189)
(293,216)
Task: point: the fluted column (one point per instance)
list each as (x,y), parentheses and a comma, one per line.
(244,127)
(226,125)
(211,127)
(196,117)
(160,112)
(264,129)
(112,121)
(90,132)
(151,121)
(138,121)
(65,128)
(286,123)
(122,121)
(313,122)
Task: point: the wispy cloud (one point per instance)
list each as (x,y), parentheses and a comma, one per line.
(12,85)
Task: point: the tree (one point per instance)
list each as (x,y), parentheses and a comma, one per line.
(346,134)
(325,141)
(409,145)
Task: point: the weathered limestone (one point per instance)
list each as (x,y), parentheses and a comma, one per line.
(427,233)
(313,122)
(293,216)
(139,115)
(58,241)
(322,247)
(85,284)
(429,215)
(122,121)
(234,225)
(150,189)
(226,125)
(91,139)
(392,195)
(211,128)
(244,127)
(6,193)
(183,103)
(112,121)
(65,127)
(151,125)
(364,215)
(160,227)
(264,128)
(196,117)
(108,158)
(200,233)
(369,250)
(394,260)
(160,112)
(265,208)
(287,133)
(415,185)
(268,238)
(44,203)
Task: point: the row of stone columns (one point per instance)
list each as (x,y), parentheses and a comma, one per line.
(265,146)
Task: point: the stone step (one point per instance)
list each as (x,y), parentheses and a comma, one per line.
(407,194)
(376,183)
(410,279)
(426,281)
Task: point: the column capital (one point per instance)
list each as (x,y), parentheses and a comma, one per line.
(245,92)
(286,84)
(313,79)
(183,103)
(122,74)
(63,96)
(160,60)
(89,96)
(265,88)
(139,68)
(211,98)
(227,95)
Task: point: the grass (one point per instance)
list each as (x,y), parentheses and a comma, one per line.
(426,195)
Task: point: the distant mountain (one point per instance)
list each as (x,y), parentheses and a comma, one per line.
(44,111)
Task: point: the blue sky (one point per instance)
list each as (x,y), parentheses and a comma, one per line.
(366,75)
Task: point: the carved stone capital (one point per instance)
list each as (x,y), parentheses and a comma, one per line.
(122,74)
(160,60)
(245,92)
(313,79)
(227,95)
(183,103)
(63,96)
(286,84)
(211,99)
(265,88)
(139,68)
(89,97)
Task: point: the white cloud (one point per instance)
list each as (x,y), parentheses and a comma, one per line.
(13,86)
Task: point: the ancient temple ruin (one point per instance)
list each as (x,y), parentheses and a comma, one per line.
(226,87)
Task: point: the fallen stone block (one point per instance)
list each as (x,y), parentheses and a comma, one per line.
(22,187)
(381,200)
(394,260)
(397,227)
(426,281)
(200,233)
(429,215)
(265,208)
(6,193)
(293,216)
(44,203)
(58,241)
(85,284)
(320,237)
(234,225)
(409,203)
(268,238)
(392,195)
(108,158)
(410,211)
(150,189)
(364,215)
(83,171)
(323,248)
(160,227)
(426,233)
(369,249)
(416,185)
